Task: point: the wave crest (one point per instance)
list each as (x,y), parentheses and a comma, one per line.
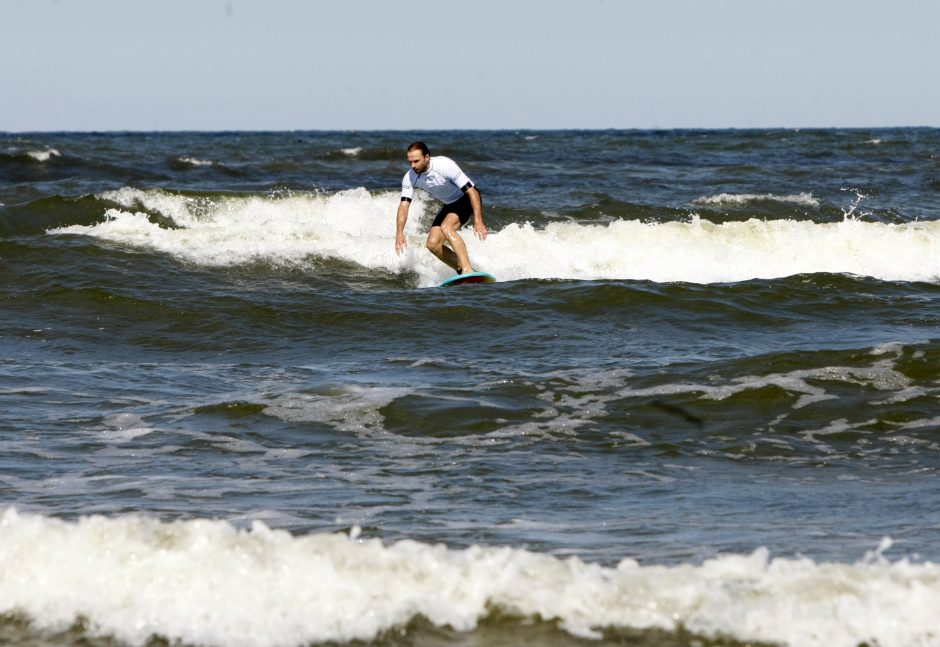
(804,199)
(207,582)
(358,227)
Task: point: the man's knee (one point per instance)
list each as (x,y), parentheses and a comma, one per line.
(435,241)
(449,229)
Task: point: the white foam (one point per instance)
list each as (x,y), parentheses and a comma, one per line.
(348,408)
(124,427)
(357,226)
(290,230)
(881,375)
(206,582)
(699,251)
(804,199)
(44,155)
(351,152)
(192,161)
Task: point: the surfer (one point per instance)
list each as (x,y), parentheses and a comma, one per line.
(442,178)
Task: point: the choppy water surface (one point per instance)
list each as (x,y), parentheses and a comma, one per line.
(699,406)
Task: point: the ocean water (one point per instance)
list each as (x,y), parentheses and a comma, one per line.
(699,407)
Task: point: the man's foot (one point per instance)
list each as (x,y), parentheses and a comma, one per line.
(466,270)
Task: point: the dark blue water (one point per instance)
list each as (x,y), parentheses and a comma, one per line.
(702,344)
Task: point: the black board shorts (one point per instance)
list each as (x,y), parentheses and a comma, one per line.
(462,207)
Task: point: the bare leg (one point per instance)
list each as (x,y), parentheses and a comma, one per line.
(456,255)
(449,228)
(436,246)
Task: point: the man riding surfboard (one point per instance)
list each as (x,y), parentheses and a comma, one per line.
(442,178)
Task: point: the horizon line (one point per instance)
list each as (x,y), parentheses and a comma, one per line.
(468,130)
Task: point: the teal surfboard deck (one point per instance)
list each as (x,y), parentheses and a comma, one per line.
(470,277)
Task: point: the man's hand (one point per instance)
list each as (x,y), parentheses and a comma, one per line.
(400,243)
(477,203)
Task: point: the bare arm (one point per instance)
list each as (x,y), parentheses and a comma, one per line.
(400,241)
(477,203)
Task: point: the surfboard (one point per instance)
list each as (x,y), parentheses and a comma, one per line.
(470,277)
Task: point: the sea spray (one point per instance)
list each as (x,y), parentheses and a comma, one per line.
(208,582)
(356,226)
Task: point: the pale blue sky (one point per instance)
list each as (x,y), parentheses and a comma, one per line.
(379,64)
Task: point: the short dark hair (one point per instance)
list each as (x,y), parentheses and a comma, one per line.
(419,146)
